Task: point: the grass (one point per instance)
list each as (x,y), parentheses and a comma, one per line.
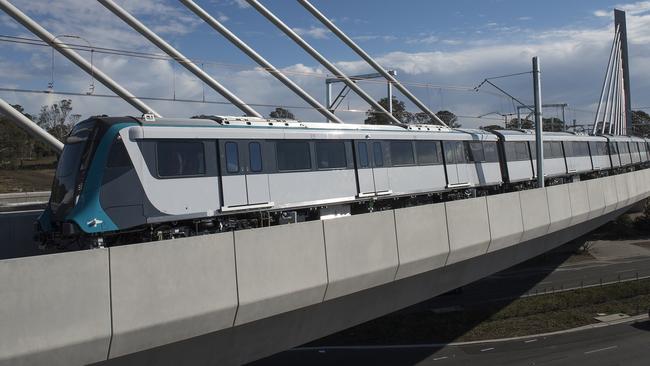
(525,316)
(25,180)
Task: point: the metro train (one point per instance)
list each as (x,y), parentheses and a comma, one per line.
(125,180)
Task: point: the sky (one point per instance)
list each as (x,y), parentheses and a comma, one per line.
(441,50)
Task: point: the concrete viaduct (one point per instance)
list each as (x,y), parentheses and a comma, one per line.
(235,297)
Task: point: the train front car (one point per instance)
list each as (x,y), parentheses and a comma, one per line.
(93,155)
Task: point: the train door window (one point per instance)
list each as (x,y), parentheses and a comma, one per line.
(232,157)
(255,156)
(450,152)
(378,154)
(180,158)
(476,151)
(491,153)
(401,153)
(556,149)
(293,155)
(428,152)
(362,149)
(331,155)
(521,150)
(456,153)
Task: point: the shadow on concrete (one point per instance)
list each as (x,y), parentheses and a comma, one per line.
(435,322)
(642,325)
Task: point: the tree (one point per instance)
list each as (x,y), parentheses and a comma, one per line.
(376,117)
(552,124)
(491,128)
(57,118)
(640,123)
(16,145)
(526,124)
(449,118)
(281,113)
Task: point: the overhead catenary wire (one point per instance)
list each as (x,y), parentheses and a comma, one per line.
(212,63)
(193,101)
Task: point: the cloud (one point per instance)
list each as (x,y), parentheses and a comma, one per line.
(373,37)
(313,32)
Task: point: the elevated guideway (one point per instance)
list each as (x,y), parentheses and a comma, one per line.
(231,298)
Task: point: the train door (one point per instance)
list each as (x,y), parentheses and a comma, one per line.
(243,179)
(456,163)
(372,175)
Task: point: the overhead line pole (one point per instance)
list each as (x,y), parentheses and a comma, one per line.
(539,140)
(179,57)
(350,43)
(30,127)
(73,56)
(321,59)
(216,25)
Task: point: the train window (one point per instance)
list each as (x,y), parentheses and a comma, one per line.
(428,152)
(401,153)
(331,155)
(613,148)
(476,151)
(521,151)
(363,154)
(118,156)
(255,156)
(491,154)
(533,152)
(232,157)
(568,149)
(293,155)
(633,147)
(180,158)
(378,154)
(623,148)
(556,149)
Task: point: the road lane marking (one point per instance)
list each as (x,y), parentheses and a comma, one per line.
(600,350)
(440,358)
(530,341)
(487,349)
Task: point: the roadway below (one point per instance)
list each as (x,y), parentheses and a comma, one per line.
(622,344)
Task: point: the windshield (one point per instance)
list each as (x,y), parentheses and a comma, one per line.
(71,163)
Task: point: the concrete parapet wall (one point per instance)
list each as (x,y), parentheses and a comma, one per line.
(596,197)
(422,239)
(168,291)
(361,252)
(621,190)
(55,309)
(279,269)
(469,228)
(506,222)
(579,197)
(534,213)
(630,181)
(559,207)
(610,191)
